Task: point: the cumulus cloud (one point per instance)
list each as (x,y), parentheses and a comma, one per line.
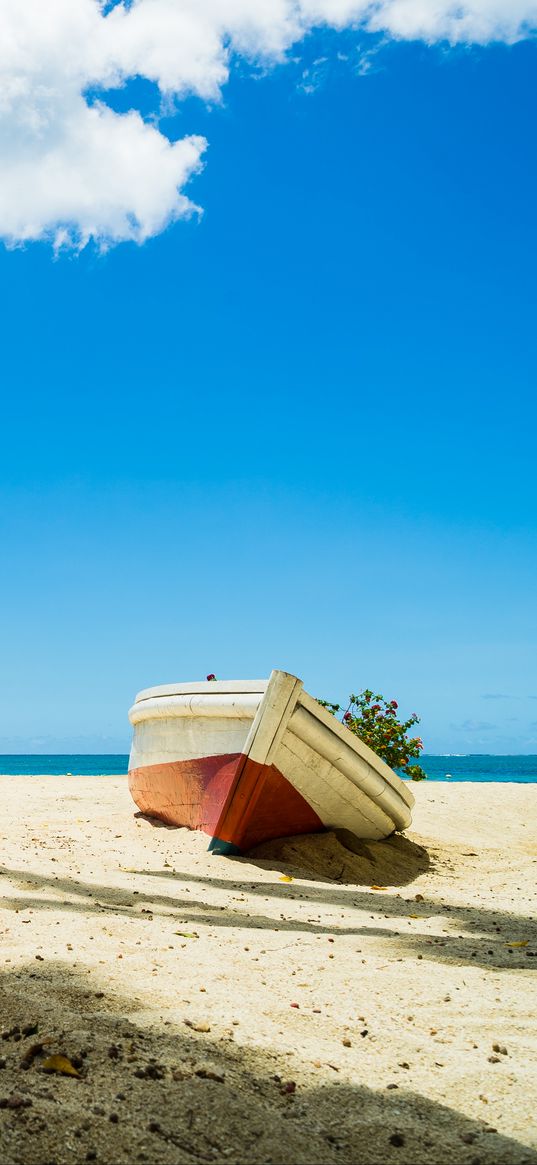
(74,170)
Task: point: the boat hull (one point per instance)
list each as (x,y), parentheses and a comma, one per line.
(289,766)
(194,793)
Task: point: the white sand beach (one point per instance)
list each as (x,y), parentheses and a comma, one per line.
(302,1004)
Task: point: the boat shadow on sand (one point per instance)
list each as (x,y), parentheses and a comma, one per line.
(334,856)
(338,856)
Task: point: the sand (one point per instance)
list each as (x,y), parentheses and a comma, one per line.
(276,1008)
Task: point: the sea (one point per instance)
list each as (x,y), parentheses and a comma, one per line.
(478,767)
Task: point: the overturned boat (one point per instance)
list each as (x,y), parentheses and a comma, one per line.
(249,760)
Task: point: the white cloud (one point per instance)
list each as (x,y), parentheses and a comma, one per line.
(72,170)
(96,175)
(478,21)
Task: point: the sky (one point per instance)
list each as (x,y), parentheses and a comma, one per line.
(268,359)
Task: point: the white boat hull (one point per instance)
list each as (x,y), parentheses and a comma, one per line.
(248,761)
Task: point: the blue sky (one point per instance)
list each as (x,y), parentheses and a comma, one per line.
(298,431)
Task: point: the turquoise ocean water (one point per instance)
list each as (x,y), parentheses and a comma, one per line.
(521,769)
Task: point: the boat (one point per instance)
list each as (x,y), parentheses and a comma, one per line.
(250,760)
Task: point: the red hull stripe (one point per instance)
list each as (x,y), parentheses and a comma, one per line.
(187,792)
(263,804)
(229,797)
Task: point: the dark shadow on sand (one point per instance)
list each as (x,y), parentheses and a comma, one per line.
(334,856)
(339,856)
(160,1093)
(474,934)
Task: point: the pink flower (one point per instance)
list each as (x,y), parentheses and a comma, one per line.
(375,708)
(347,716)
(212,676)
(394,704)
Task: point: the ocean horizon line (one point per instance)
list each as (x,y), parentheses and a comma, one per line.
(125,752)
(424,756)
(520,768)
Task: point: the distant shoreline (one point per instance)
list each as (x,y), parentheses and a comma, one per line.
(448,768)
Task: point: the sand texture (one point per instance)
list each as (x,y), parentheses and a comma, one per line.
(277,1008)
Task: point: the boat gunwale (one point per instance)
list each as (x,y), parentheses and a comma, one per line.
(204,687)
(230,706)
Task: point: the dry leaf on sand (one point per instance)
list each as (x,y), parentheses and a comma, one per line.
(60,1064)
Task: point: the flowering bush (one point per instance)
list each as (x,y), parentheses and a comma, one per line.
(375,721)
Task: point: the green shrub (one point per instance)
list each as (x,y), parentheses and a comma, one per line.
(374,720)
